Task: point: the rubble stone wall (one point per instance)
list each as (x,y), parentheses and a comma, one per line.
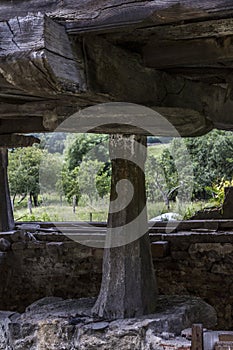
(198,264)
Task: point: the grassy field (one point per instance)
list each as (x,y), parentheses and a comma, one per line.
(54,211)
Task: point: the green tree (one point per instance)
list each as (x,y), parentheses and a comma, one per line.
(87,168)
(87,176)
(212,157)
(88,146)
(68,185)
(23,171)
(50,169)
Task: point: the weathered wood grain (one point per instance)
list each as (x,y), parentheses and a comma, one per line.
(36,57)
(195,30)
(213,101)
(115,71)
(83,16)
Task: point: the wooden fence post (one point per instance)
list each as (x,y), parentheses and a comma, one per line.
(197,337)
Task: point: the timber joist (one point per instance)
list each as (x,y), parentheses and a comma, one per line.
(57,57)
(36,57)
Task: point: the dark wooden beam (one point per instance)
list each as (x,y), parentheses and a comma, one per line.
(213,101)
(6,213)
(84,16)
(124,118)
(121,73)
(196,30)
(36,57)
(209,52)
(22,125)
(15,140)
(216,28)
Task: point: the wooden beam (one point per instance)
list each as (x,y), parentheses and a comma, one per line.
(198,30)
(101,118)
(22,125)
(83,16)
(15,140)
(6,213)
(213,101)
(36,57)
(121,74)
(216,28)
(197,337)
(125,118)
(197,52)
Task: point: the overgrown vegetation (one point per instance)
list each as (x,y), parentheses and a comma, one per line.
(65,171)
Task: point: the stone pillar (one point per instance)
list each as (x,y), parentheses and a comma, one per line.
(6,213)
(128,284)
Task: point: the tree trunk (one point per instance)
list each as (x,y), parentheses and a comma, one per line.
(128,284)
(6,213)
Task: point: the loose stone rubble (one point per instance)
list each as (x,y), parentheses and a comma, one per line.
(56,324)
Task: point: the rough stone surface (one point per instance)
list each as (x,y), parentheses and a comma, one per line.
(198,264)
(56,324)
(201,265)
(4,245)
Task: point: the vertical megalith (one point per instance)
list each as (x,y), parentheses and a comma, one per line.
(6,213)
(128,284)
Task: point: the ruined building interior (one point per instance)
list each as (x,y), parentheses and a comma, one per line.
(128,69)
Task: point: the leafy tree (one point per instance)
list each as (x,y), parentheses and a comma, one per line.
(87,174)
(212,157)
(68,185)
(88,146)
(23,171)
(87,169)
(103,179)
(32,170)
(50,168)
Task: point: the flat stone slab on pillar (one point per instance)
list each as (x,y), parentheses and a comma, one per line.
(57,324)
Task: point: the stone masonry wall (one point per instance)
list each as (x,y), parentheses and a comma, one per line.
(198,264)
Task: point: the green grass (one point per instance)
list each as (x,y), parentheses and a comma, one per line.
(59,213)
(157,149)
(51,209)
(54,211)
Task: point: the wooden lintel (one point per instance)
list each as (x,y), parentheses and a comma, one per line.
(22,125)
(213,101)
(135,119)
(16,140)
(37,58)
(197,52)
(84,16)
(216,28)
